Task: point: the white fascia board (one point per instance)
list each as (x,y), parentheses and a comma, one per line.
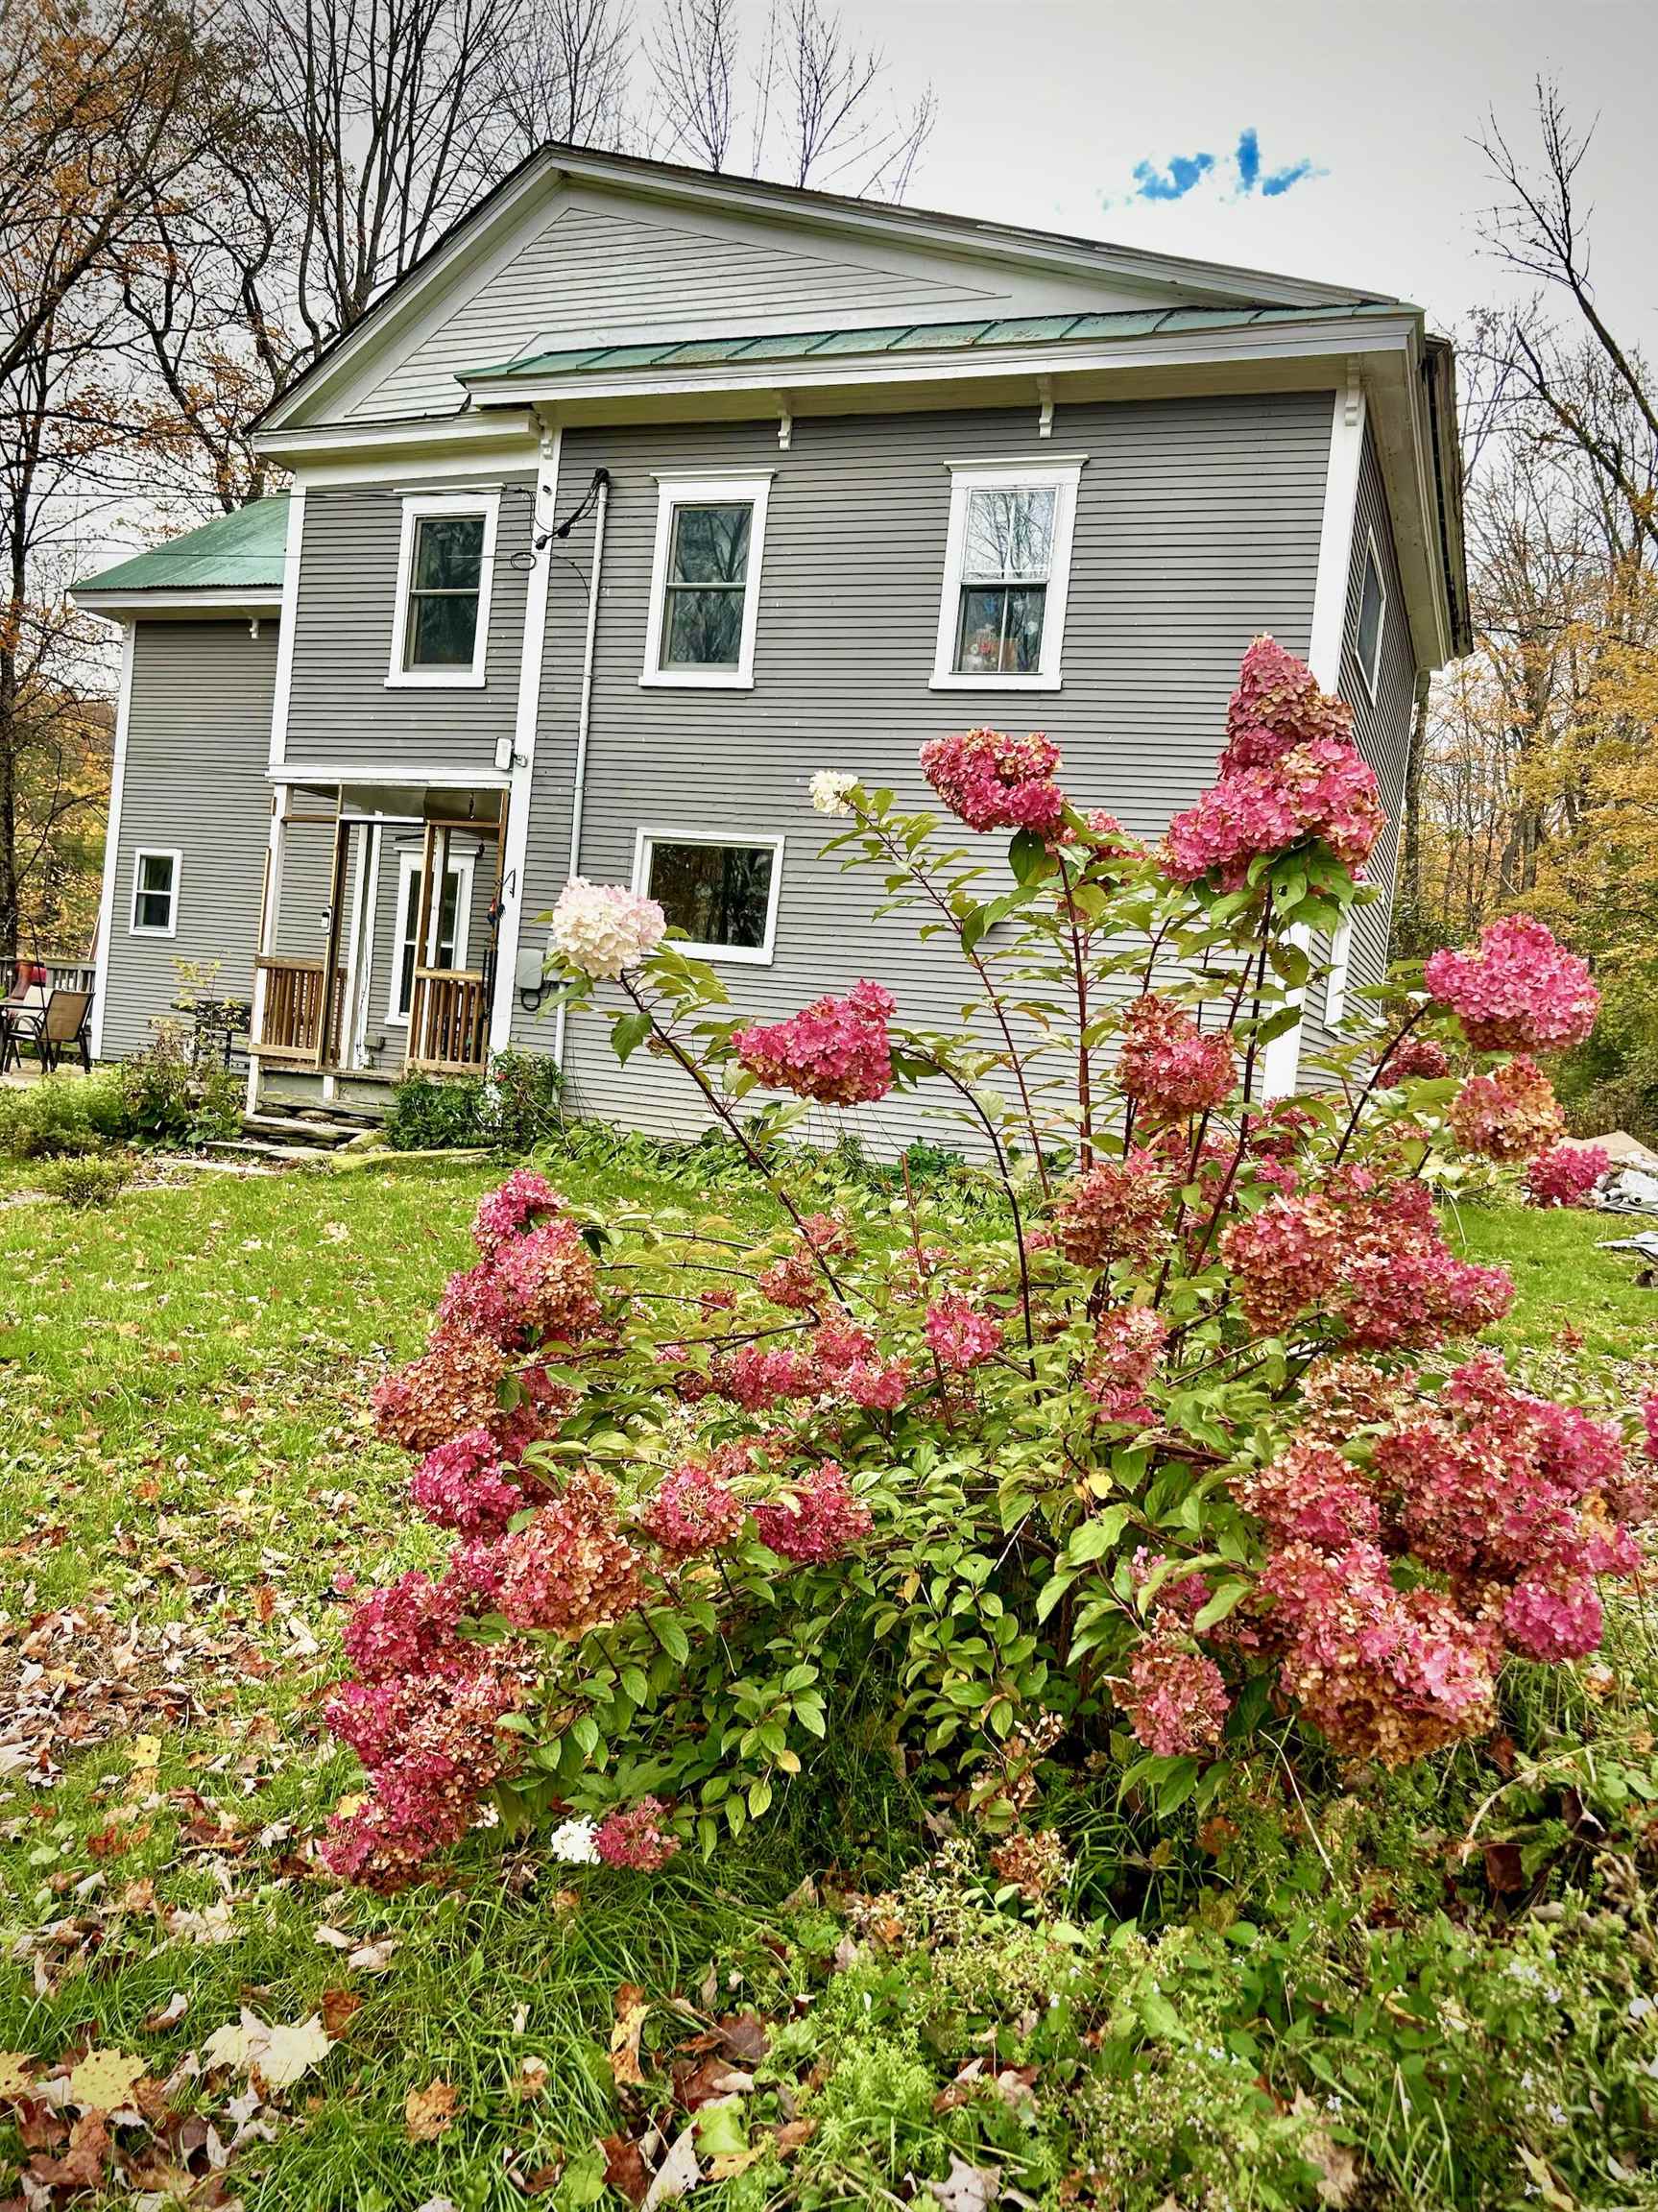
(393,773)
(1246,342)
(422,441)
(123,605)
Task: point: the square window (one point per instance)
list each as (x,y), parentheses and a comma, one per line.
(721,892)
(1007,567)
(443,577)
(154,894)
(705,581)
(1372,615)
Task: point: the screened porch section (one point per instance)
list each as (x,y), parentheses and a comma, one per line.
(378,932)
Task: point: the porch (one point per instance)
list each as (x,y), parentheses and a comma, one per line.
(378,934)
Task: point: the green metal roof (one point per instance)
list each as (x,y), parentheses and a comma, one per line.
(917,337)
(241,551)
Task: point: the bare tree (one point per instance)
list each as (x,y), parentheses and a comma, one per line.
(1603,401)
(815,112)
(562,75)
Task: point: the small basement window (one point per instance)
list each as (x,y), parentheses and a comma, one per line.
(721,891)
(1372,619)
(444,573)
(705,581)
(1007,571)
(155,893)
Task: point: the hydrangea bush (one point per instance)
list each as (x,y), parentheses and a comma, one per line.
(1176,1439)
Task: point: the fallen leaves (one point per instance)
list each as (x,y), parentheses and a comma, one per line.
(105,2081)
(631,2007)
(429,2113)
(278,2056)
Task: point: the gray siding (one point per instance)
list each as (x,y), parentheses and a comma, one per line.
(340,705)
(198,739)
(1381,728)
(1197,527)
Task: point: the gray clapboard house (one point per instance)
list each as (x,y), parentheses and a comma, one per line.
(842,476)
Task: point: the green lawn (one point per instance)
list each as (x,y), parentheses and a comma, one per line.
(186,1465)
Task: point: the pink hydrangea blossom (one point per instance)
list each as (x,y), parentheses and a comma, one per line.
(992,782)
(818,1520)
(570,1569)
(1284,1259)
(1552,1617)
(795,1283)
(1169,1065)
(693,1510)
(637,1837)
(1128,1341)
(1566,1174)
(1519,991)
(1509,1115)
(1311,1494)
(1115,1212)
(1276,705)
(465,1484)
(756,1379)
(961,1335)
(1176,1699)
(1413,1058)
(404,1627)
(524,1199)
(602,929)
(835,1050)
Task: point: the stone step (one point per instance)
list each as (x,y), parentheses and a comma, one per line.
(261,1149)
(306,1129)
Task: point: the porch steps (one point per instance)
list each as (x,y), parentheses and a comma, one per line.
(297,1137)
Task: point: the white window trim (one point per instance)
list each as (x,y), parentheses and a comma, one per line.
(143,853)
(1340,961)
(753,488)
(399,677)
(966,478)
(403,920)
(759,956)
(1372,557)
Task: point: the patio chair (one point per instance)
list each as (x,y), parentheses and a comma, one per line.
(21,1011)
(62,1027)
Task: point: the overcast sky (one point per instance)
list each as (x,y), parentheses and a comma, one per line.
(1076,115)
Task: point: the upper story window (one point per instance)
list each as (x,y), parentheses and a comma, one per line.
(1006,575)
(444,568)
(1372,618)
(722,891)
(705,580)
(155,893)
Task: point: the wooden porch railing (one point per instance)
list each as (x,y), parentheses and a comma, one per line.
(290,1019)
(448,1021)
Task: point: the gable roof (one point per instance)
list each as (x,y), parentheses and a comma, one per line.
(240,555)
(1166,279)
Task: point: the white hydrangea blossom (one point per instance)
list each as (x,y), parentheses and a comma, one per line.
(602,930)
(830,787)
(574,1843)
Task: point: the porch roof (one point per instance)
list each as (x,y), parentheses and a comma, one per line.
(960,336)
(241,551)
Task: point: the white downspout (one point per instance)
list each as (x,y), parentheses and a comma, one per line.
(578,794)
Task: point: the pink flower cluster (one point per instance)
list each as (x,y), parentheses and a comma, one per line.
(1175,1698)
(1128,1342)
(1168,1065)
(836,1360)
(1519,991)
(1566,1174)
(693,1509)
(835,1050)
(1289,771)
(961,1335)
(819,1519)
(1115,1212)
(1413,1058)
(566,1571)
(637,1837)
(468,1483)
(524,1199)
(991,782)
(1510,1114)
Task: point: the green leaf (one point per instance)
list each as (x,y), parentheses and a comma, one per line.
(1226,1597)
(628,1032)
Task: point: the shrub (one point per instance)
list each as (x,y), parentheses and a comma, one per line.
(174,1096)
(90,1179)
(1168,1443)
(425,1116)
(525,1104)
(62,1115)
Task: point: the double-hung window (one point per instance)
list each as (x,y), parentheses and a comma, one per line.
(155,893)
(1007,573)
(1372,618)
(445,560)
(705,581)
(722,891)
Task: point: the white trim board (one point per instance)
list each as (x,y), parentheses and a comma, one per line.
(1280,1065)
(113,840)
(284,683)
(509,926)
